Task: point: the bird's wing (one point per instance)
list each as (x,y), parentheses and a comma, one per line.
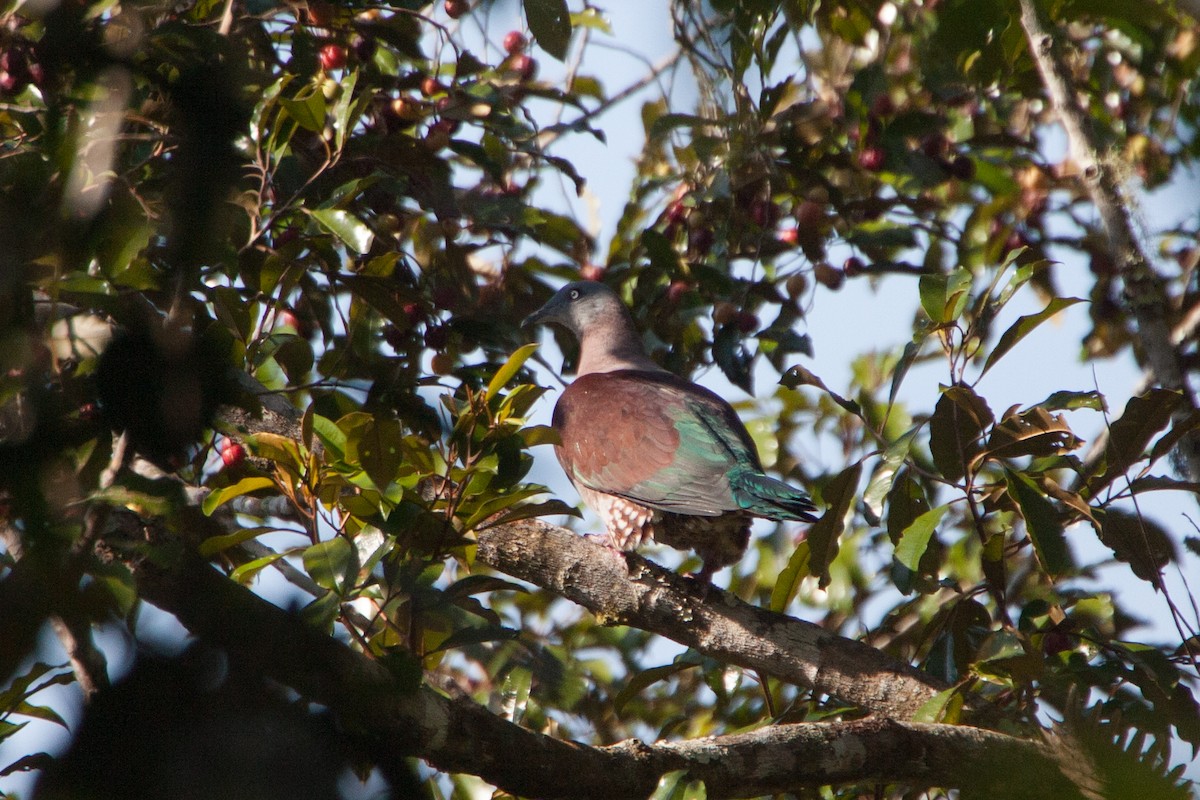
(652,438)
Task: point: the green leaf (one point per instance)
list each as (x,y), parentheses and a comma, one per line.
(1129,436)
(915,538)
(1042,522)
(911,351)
(246,572)
(546,508)
(1070,401)
(331,563)
(648,677)
(676,786)
(885,472)
(550,24)
(959,419)
(332,437)
(477,584)
(534,435)
(351,230)
(510,368)
(945,296)
(823,536)
(1025,326)
(468,636)
(788,582)
(666,123)
(307,111)
(216,544)
(942,707)
(219,497)
(379,450)
(1137,541)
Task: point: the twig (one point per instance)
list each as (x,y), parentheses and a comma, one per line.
(1145,290)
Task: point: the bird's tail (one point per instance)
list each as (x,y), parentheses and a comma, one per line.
(765,496)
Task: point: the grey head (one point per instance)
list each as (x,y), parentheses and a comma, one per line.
(595,315)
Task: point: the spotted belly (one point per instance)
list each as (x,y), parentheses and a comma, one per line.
(719,541)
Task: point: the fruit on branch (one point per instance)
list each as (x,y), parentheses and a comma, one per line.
(515,42)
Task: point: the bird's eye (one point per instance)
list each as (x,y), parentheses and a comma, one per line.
(574,294)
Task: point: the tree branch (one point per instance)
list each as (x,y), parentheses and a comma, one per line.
(1145,290)
(625,589)
(457,735)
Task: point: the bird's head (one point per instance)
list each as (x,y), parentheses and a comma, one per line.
(580,307)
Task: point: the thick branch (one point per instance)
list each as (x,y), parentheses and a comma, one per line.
(628,590)
(457,735)
(1145,289)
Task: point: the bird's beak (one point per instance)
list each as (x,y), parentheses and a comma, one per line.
(542,315)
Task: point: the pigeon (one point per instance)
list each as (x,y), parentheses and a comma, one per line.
(656,456)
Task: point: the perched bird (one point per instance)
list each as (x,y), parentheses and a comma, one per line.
(654,455)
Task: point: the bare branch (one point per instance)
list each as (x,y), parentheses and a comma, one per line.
(628,590)
(457,735)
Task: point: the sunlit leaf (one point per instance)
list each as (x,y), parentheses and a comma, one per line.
(353,232)
(510,368)
(915,538)
(1023,327)
(1030,433)
(331,563)
(219,497)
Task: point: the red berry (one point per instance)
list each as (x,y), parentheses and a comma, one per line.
(883,106)
(746,322)
(796,284)
(828,275)
(394,336)
(431,86)
(1015,239)
(442,363)
(445,297)
(437,337)
(456,8)
(332,56)
(1055,642)
(871,158)
(810,216)
(701,239)
(724,313)
(790,237)
(764,213)
(364,47)
(591,272)
(286,236)
(676,291)
(515,42)
(286,319)
(935,145)
(232,454)
(854,266)
(676,213)
(89,412)
(525,66)
(963,168)
(438,135)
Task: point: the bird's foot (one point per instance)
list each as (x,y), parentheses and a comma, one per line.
(701,581)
